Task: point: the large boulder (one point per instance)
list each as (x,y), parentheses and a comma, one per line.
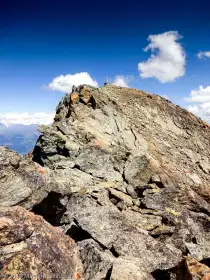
(30,248)
(23,182)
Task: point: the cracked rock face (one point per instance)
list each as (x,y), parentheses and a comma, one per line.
(126,175)
(23,182)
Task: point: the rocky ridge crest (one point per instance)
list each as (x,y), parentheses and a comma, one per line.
(126,175)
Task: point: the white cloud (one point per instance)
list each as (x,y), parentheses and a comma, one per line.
(120,81)
(204,54)
(64,83)
(26,118)
(168,63)
(200,95)
(200,99)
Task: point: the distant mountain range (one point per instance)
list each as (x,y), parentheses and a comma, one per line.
(18,137)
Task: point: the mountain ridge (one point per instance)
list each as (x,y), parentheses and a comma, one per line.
(125,174)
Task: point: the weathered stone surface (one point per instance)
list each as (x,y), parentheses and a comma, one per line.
(31,248)
(147,222)
(131,269)
(97,262)
(131,174)
(109,227)
(74,98)
(196,270)
(137,170)
(22,181)
(122,196)
(131,191)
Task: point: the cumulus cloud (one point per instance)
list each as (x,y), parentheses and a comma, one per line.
(120,81)
(168,63)
(200,95)
(204,54)
(200,102)
(64,83)
(26,118)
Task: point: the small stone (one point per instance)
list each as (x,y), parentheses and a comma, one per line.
(163,229)
(151,191)
(137,202)
(131,191)
(155,179)
(147,222)
(122,196)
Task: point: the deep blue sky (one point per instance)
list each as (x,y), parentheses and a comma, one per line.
(40,40)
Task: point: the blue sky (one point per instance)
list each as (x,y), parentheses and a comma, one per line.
(40,41)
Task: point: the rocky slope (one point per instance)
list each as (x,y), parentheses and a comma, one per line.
(126,175)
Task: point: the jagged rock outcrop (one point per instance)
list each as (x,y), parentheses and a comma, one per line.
(30,248)
(23,182)
(128,180)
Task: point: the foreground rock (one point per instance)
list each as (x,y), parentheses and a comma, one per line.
(22,181)
(196,270)
(30,248)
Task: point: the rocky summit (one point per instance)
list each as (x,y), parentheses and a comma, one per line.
(121,180)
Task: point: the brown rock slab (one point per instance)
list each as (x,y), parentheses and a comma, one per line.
(196,270)
(130,268)
(32,248)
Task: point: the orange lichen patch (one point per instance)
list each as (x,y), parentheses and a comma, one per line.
(100,143)
(74,98)
(42,172)
(197,270)
(78,276)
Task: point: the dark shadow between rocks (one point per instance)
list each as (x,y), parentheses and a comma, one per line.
(108,275)
(50,208)
(206,262)
(161,275)
(77,233)
(177,273)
